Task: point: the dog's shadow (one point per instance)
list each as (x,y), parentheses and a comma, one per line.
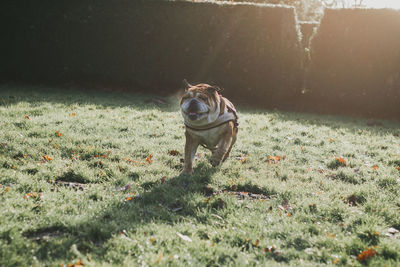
(166,202)
(179,187)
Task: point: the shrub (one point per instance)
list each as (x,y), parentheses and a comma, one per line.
(355,61)
(152,45)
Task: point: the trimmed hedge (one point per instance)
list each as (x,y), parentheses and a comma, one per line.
(355,61)
(250,49)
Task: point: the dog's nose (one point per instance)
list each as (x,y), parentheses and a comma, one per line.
(194,105)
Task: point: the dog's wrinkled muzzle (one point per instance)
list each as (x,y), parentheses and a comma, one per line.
(194,106)
(195,110)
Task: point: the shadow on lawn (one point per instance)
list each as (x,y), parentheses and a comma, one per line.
(335,122)
(166,203)
(110,97)
(37,95)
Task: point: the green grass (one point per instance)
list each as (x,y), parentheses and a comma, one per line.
(98,199)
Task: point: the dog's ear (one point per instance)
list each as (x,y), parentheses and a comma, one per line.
(214,88)
(186,84)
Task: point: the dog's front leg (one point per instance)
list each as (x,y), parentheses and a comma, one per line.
(190,151)
(222,149)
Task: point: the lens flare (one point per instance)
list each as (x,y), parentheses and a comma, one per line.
(382,4)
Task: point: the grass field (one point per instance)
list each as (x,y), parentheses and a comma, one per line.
(94,178)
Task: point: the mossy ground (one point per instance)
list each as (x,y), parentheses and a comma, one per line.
(77,183)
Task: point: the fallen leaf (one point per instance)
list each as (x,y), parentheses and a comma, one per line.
(269,249)
(47,158)
(99,164)
(366,254)
(184,237)
(27,117)
(242,159)
(174,153)
(275,159)
(330,235)
(34,195)
(163,179)
(256,243)
(129,160)
(341,160)
(285,206)
(58,134)
(149,160)
(73,114)
(375,167)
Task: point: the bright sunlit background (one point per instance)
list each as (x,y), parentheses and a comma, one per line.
(383,3)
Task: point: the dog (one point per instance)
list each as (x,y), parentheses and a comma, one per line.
(211,120)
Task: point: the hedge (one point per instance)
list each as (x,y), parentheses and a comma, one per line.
(355,61)
(252,50)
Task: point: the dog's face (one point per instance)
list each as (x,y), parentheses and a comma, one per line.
(200,104)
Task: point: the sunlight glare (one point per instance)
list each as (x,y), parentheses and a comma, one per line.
(383,4)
